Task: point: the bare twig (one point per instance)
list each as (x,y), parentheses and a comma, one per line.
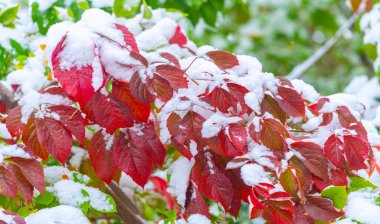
(126,209)
(300,69)
(7,97)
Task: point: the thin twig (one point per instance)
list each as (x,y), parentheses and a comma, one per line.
(7,97)
(126,209)
(300,69)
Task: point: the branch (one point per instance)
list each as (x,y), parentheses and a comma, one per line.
(7,97)
(300,69)
(126,209)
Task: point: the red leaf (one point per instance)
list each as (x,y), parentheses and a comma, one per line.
(223,59)
(161,88)
(140,111)
(291,102)
(72,119)
(77,82)
(321,209)
(139,89)
(131,159)
(174,75)
(336,178)
(23,185)
(238,135)
(317,106)
(356,151)
(273,134)
(222,99)
(171,58)
(345,116)
(293,181)
(211,181)
(179,37)
(110,113)
(145,137)
(313,158)
(333,149)
(54,138)
(32,170)
(129,39)
(30,139)
(271,106)
(13,121)
(101,156)
(195,204)
(7,183)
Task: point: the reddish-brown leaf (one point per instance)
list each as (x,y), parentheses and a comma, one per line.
(195,204)
(211,181)
(223,59)
(333,150)
(72,119)
(7,183)
(161,88)
(174,75)
(179,37)
(132,160)
(30,139)
(32,170)
(321,209)
(13,121)
(271,106)
(356,151)
(291,102)
(273,134)
(145,137)
(77,82)
(129,39)
(139,89)
(313,158)
(23,185)
(171,58)
(54,138)
(238,135)
(345,116)
(101,156)
(110,113)
(140,111)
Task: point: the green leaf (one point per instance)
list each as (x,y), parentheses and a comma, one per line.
(337,194)
(209,14)
(120,11)
(81,178)
(24,212)
(357,183)
(147,14)
(8,16)
(45,199)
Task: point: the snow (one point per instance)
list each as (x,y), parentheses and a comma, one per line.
(162,31)
(247,63)
(61,214)
(254,174)
(4,133)
(307,91)
(71,193)
(214,124)
(198,219)
(8,219)
(253,102)
(54,174)
(361,207)
(13,151)
(179,180)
